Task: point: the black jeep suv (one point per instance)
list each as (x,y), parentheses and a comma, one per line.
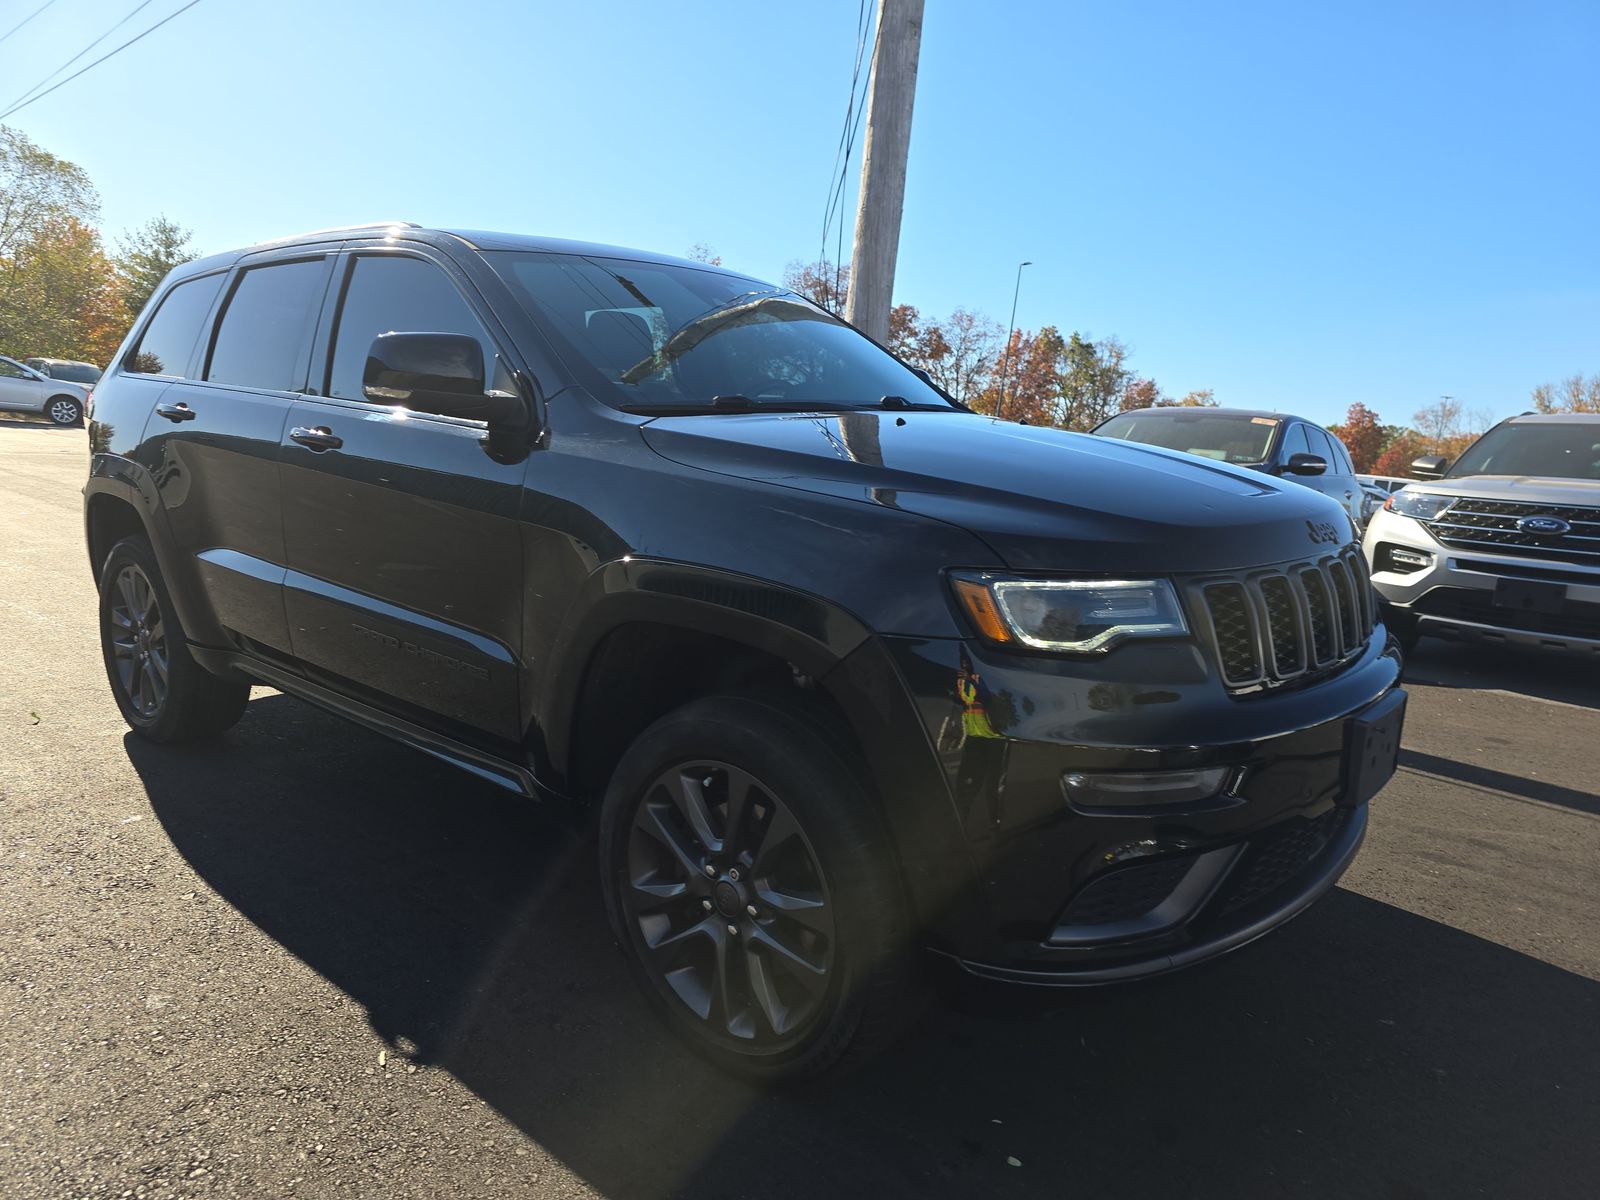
(855,681)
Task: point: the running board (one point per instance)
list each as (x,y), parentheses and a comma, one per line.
(485,766)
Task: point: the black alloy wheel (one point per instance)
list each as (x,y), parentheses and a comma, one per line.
(138,640)
(749,878)
(729,904)
(164,694)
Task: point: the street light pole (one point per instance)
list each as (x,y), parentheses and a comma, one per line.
(1000,404)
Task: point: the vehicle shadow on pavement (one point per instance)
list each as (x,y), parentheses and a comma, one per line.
(1566,678)
(1362,1051)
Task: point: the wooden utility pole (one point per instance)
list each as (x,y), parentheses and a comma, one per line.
(890,96)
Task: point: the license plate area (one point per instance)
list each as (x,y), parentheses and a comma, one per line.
(1530,595)
(1372,748)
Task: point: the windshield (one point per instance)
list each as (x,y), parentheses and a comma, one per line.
(659,336)
(1565,451)
(1226,437)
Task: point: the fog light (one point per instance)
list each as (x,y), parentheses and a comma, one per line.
(1409,559)
(1123,790)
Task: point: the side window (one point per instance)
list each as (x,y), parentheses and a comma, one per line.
(1294,441)
(10,370)
(265,335)
(169,340)
(1344,456)
(394,294)
(1322,444)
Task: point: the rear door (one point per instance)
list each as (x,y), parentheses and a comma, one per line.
(214,436)
(404,550)
(1340,480)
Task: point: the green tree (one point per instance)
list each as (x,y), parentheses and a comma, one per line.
(145,255)
(38,193)
(1094,376)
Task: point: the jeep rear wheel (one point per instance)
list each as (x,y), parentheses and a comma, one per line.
(749,882)
(163,693)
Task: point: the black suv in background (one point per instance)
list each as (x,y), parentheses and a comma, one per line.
(1276,443)
(854,681)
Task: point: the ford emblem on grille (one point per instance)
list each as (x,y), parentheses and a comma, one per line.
(1546,525)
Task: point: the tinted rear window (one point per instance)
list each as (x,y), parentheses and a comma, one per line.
(168,341)
(264,339)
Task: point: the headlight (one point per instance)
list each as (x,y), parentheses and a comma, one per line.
(1424,506)
(1069,614)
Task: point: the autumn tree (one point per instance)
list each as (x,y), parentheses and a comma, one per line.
(59,296)
(1140,392)
(143,258)
(1362,435)
(1395,461)
(958,353)
(825,283)
(1572,394)
(1026,382)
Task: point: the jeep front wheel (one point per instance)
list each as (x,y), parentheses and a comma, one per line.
(748,879)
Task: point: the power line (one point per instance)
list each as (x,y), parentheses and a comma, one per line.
(126,18)
(854,109)
(26,19)
(109,54)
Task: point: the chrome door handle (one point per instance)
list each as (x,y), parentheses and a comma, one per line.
(176,412)
(320,438)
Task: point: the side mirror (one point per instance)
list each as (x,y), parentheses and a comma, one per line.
(439,373)
(1305,464)
(1429,466)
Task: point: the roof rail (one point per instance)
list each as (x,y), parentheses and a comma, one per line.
(310,233)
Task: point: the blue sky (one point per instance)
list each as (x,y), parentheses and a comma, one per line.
(1297,206)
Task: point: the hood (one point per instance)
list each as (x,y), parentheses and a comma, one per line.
(1521,489)
(1043,499)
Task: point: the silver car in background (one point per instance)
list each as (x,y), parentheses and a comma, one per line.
(1504,545)
(25,390)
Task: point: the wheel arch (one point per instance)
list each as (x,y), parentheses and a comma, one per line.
(120,500)
(646,636)
(652,636)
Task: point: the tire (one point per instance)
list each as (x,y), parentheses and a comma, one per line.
(798,987)
(1404,627)
(139,632)
(64,410)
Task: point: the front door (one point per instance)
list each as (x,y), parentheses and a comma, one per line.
(405,558)
(20,389)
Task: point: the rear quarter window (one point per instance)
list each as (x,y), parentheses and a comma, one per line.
(168,341)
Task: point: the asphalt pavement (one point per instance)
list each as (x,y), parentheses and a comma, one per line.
(305,961)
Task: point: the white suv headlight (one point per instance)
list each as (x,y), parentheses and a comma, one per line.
(1072,615)
(1424,506)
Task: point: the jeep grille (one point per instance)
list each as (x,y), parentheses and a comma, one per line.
(1289,623)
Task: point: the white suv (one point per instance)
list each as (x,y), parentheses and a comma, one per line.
(22,389)
(1503,546)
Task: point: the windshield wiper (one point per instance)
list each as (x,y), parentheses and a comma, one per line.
(736,312)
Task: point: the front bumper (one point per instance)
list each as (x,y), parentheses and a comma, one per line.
(1455,594)
(1073,898)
